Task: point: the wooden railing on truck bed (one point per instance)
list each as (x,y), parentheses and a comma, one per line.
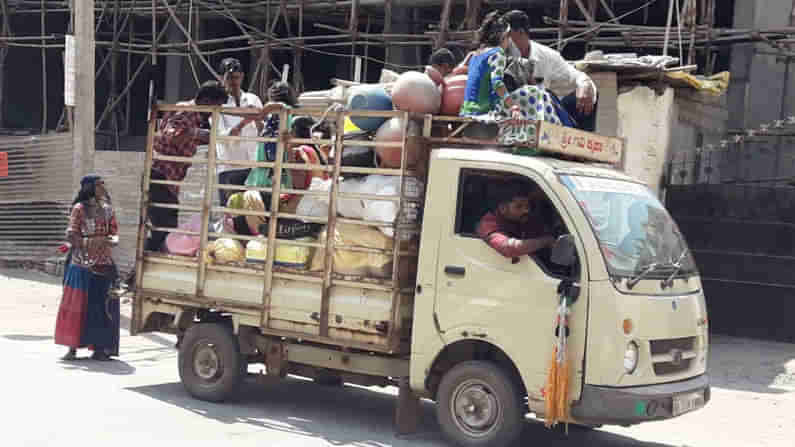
(436,131)
(327,277)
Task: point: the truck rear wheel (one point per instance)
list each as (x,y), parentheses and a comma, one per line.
(478,405)
(210,364)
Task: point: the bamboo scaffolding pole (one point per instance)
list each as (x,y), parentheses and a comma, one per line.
(128,75)
(564,23)
(190,40)
(701,34)
(444,25)
(43,73)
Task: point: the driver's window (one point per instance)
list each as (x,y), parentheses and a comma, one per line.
(479,193)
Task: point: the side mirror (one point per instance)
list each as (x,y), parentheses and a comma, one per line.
(564,252)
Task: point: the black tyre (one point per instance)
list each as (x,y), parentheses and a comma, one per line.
(210,364)
(478,405)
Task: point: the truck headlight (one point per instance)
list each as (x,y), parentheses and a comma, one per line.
(631,357)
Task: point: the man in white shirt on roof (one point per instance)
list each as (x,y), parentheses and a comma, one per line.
(232,71)
(576,90)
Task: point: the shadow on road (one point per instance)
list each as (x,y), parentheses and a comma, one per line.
(30,275)
(25,337)
(755,366)
(350,416)
(114,367)
(159,339)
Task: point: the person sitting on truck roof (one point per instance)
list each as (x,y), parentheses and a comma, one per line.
(514,228)
(485,90)
(534,102)
(440,64)
(179,134)
(580,91)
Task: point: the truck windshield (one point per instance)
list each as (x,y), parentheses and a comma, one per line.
(635,232)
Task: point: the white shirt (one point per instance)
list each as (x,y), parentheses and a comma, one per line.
(238,150)
(559,75)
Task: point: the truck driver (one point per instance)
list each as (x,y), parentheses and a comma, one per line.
(515,227)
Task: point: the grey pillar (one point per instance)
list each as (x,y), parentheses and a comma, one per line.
(84,111)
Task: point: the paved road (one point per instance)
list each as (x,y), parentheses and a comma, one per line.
(139,400)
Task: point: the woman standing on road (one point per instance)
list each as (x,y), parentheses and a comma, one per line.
(86,317)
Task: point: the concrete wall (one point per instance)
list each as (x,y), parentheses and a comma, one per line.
(700,120)
(123,173)
(645,120)
(761,89)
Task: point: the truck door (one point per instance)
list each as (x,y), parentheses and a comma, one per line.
(508,302)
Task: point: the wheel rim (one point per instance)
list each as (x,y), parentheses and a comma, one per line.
(206,362)
(475,408)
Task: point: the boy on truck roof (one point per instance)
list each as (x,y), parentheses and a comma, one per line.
(442,60)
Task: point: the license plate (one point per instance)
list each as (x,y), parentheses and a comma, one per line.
(684,403)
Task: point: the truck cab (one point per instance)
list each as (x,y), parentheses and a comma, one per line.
(638,338)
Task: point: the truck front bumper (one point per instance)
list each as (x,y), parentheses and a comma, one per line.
(632,405)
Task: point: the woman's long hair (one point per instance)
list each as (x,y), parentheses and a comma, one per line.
(493,29)
(88,191)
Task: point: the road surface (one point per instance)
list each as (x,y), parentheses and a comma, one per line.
(138,399)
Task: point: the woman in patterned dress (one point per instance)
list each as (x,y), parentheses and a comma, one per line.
(485,90)
(86,317)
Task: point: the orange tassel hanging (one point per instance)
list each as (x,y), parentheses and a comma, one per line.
(563,391)
(550,393)
(557,389)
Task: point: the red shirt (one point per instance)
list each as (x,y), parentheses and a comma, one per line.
(506,236)
(177,137)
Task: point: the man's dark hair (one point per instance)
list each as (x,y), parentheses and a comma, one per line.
(442,56)
(518,20)
(512,189)
(212,91)
(302,126)
(230,65)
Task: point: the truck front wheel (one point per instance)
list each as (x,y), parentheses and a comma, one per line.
(210,364)
(478,405)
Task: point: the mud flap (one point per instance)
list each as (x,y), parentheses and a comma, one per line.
(407,413)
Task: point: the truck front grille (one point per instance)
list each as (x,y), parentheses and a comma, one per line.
(672,355)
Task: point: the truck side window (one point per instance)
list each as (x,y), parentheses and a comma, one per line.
(478,193)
